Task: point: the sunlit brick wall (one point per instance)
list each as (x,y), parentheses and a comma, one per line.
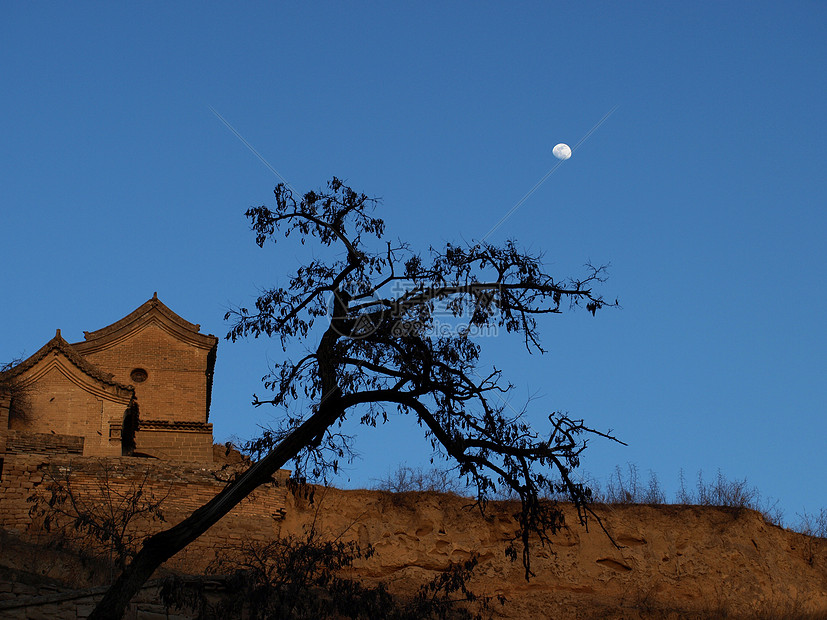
(182,488)
(175,388)
(176,445)
(58,404)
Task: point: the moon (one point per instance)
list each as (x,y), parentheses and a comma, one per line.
(561,151)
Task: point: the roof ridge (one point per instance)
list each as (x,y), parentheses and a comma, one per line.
(148,306)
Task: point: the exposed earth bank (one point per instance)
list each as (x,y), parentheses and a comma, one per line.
(673,561)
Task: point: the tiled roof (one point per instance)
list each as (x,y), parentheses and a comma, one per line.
(168,425)
(59,344)
(153,305)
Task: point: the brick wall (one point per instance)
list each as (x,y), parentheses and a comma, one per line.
(175,443)
(185,488)
(5,402)
(175,388)
(22,442)
(64,400)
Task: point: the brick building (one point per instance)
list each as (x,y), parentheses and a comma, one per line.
(140,386)
(120,416)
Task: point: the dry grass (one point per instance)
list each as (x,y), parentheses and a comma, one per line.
(626,486)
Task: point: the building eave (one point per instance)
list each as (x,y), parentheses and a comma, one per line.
(59,346)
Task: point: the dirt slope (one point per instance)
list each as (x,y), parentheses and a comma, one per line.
(674,561)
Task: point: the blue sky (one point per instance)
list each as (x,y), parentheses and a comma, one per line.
(705,190)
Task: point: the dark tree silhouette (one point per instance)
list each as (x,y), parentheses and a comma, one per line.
(15,394)
(306,577)
(397,334)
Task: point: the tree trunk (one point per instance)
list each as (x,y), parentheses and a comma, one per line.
(158,548)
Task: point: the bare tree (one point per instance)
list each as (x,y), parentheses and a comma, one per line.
(111,518)
(405,479)
(17,393)
(383,346)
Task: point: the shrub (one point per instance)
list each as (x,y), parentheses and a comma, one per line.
(404,479)
(306,577)
(109,520)
(627,489)
(813,525)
